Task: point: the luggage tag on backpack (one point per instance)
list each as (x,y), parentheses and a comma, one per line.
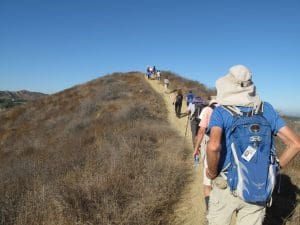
(249,153)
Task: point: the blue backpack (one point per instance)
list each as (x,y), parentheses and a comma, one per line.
(253,167)
(199,103)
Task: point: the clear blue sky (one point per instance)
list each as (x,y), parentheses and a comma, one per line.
(50,45)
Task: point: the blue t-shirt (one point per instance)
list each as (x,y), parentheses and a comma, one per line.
(223,119)
(189,97)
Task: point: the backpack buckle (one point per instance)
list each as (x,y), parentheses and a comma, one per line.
(255,140)
(270,202)
(234,194)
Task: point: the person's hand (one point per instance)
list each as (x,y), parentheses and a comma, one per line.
(196,152)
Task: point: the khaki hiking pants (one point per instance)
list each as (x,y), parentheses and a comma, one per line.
(222,205)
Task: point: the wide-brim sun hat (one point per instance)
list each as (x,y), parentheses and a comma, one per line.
(236,88)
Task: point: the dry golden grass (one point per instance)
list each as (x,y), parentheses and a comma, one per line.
(285,208)
(92,154)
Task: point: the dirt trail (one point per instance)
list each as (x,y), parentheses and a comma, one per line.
(191,209)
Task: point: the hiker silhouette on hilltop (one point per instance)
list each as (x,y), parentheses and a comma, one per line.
(241,156)
(148,72)
(151,72)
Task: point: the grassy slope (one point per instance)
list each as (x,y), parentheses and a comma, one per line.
(92,154)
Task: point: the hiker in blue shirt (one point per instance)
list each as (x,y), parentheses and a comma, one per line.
(228,163)
(189,98)
(148,72)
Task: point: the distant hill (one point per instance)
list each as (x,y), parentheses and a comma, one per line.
(23,94)
(9,99)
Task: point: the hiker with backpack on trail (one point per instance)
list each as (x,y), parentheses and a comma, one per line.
(178,102)
(148,72)
(166,84)
(241,155)
(189,98)
(194,109)
(201,141)
(158,75)
(154,71)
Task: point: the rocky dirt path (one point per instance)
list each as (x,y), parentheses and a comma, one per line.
(190,210)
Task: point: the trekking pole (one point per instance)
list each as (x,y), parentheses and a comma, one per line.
(187,124)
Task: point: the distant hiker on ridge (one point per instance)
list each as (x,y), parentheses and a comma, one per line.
(154,71)
(148,72)
(166,84)
(158,75)
(241,155)
(178,102)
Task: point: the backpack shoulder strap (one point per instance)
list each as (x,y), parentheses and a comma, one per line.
(233,110)
(259,109)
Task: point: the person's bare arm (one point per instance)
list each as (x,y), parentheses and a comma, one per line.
(198,140)
(292,142)
(188,111)
(174,99)
(213,152)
